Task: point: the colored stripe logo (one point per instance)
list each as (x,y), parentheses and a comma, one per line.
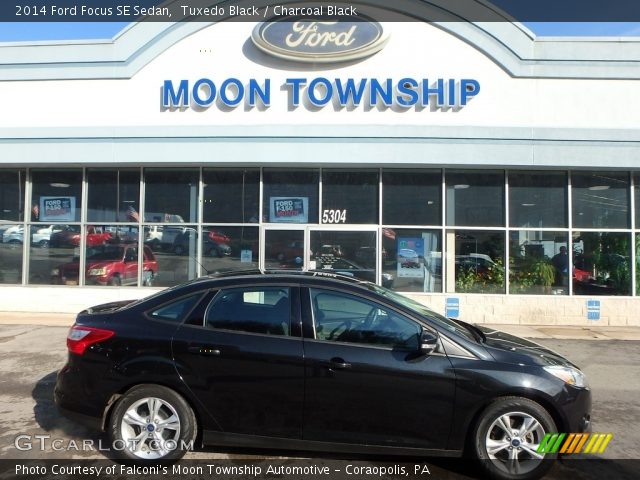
(574,443)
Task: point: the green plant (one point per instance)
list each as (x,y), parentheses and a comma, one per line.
(544,272)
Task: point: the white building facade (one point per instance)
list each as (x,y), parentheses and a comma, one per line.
(489,174)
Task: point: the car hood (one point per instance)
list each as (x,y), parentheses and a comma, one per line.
(507,348)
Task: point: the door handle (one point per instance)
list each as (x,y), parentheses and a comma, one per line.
(207,351)
(338,364)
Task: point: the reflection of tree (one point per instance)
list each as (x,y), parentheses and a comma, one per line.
(473,275)
(606,257)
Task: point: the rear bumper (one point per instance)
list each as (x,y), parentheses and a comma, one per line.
(66,396)
(66,409)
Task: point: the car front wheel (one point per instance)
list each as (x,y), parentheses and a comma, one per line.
(507,437)
(153,423)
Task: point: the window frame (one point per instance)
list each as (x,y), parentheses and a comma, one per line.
(311,334)
(294,307)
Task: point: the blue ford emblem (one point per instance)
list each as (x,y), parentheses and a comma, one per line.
(311,40)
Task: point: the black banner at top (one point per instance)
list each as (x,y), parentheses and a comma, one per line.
(259,10)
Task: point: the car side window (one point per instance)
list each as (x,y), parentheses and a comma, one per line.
(175,310)
(342,317)
(265,310)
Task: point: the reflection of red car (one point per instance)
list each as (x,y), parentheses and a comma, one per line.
(581,275)
(109,265)
(218,237)
(69,236)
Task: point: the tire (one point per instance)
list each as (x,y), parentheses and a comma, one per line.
(512,456)
(133,431)
(43,243)
(115,281)
(178,249)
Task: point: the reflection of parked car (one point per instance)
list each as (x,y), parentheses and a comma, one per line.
(109,265)
(480,262)
(122,234)
(163,237)
(209,247)
(408,258)
(40,234)
(69,236)
(218,237)
(366,256)
(288,251)
(351,269)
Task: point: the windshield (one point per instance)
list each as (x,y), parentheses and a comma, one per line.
(107,253)
(424,311)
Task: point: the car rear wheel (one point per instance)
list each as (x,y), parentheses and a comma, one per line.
(152,423)
(507,437)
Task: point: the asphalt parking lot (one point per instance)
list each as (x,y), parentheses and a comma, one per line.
(30,355)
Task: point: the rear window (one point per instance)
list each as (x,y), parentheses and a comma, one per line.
(177,309)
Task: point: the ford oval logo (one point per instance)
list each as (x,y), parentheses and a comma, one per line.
(310,40)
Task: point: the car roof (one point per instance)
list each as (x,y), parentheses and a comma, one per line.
(281,275)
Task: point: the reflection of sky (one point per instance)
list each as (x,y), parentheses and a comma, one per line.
(23,31)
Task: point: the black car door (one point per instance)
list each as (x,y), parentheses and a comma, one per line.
(244,361)
(366,380)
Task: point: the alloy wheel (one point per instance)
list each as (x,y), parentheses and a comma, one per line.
(150,428)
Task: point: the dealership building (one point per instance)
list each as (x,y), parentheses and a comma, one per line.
(487,173)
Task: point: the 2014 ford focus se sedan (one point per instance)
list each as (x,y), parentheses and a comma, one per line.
(314,361)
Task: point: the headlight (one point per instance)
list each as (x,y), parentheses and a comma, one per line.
(569,375)
(97,272)
(55,272)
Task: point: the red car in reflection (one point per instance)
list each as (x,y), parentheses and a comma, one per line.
(218,237)
(109,265)
(69,236)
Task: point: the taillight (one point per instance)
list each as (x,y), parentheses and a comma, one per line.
(80,338)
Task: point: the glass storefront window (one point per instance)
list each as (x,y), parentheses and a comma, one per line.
(56,195)
(175,254)
(229,248)
(636,182)
(475,198)
(537,199)
(284,249)
(290,196)
(538,262)
(349,197)
(171,195)
(54,255)
(113,195)
(349,253)
(475,261)
(600,199)
(601,263)
(411,197)
(12,185)
(637,239)
(111,256)
(412,259)
(231,196)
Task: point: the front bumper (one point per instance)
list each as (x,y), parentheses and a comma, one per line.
(576,410)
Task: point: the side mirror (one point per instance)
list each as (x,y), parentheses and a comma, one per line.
(428,342)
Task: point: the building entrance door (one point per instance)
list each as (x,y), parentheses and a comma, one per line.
(284,248)
(350,252)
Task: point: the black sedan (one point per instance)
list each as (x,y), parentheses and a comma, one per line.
(314,361)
